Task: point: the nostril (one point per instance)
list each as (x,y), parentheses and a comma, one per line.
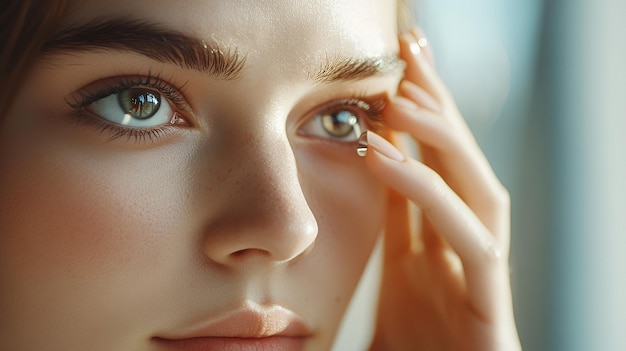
(249,252)
(304,252)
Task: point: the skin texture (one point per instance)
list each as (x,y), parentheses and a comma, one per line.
(108,243)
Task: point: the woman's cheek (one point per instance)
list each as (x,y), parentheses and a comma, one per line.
(85,210)
(80,227)
(348,203)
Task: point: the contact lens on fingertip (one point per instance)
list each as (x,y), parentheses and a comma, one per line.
(361,146)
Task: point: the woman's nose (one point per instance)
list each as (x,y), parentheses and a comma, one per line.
(265,214)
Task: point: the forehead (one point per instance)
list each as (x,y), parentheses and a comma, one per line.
(287,32)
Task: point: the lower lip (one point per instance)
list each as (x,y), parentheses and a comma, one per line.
(272,343)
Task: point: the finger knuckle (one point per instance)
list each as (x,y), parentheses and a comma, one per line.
(499,198)
(494,254)
(502,196)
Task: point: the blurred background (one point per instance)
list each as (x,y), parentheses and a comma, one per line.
(542,83)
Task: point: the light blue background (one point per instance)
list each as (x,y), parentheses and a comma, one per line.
(543,86)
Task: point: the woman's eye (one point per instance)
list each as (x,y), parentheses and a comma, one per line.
(134,107)
(342,124)
(339,124)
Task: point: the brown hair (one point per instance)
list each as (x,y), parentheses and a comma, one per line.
(26,24)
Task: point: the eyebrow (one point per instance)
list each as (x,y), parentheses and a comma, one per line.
(149,40)
(166,45)
(356,68)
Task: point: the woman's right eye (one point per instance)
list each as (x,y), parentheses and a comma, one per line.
(343,120)
(135,107)
(342,124)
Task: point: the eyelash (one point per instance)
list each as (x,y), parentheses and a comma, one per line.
(370,107)
(81,99)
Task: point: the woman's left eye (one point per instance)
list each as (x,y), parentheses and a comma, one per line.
(134,107)
(341,123)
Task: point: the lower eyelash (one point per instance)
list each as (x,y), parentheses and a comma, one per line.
(81,99)
(81,118)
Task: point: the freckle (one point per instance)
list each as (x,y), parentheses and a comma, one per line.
(337,299)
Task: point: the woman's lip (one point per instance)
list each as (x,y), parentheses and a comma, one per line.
(247,322)
(272,343)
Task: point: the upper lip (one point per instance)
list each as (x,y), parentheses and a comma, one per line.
(251,320)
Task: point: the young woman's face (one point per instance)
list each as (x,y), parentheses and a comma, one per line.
(161,190)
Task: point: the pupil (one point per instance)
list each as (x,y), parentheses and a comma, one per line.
(339,124)
(139,103)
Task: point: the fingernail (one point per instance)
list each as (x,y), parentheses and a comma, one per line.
(415,48)
(413,45)
(383,147)
(422,42)
(420,37)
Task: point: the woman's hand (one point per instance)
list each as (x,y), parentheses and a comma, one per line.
(446,278)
